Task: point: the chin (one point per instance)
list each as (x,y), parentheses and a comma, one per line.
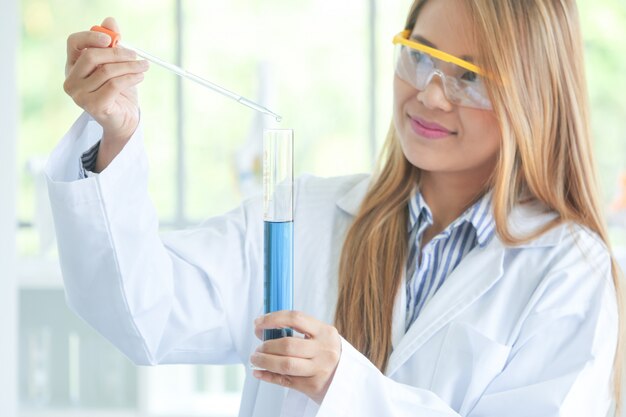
(427,166)
(427,159)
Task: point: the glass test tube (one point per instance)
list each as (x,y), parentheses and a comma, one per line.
(278,224)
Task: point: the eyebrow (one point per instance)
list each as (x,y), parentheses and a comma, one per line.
(426,42)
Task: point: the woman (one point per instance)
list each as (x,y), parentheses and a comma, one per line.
(474,276)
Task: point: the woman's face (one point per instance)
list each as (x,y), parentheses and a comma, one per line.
(471,137)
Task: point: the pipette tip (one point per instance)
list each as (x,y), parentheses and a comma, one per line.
(274,115)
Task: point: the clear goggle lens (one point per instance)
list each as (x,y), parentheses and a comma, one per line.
(461,86)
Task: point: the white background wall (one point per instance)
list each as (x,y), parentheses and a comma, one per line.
(8,139)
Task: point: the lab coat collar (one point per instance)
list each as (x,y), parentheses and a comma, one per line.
(351,201)
(523,220)
(479,215)
(485,267)
(483,264)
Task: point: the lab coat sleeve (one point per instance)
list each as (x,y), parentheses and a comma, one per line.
(159,299)
(559,366)
(360,389)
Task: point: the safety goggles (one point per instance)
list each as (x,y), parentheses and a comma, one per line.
(417,64)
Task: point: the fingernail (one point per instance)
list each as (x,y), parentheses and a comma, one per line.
(104,39)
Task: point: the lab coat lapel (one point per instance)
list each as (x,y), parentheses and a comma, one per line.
(399,315)
(476,273)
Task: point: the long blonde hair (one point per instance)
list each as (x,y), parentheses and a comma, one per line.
(533,52)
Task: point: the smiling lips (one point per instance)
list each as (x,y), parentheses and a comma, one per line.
(428,130)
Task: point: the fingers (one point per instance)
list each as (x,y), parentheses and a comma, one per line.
(283,365)
(306,365)
(100,102)
(90,59)
(296,320)
(78,41)
(97,62)
(289,346)
(112,88)
(111,24)
(261,336)
(106,72)
(278,379)
(314,388)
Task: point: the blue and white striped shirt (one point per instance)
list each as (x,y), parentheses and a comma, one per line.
(427,271)
(87,161)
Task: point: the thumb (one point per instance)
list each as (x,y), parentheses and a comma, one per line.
(111,24)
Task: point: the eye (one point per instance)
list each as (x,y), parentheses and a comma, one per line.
(416,56)
(470,76)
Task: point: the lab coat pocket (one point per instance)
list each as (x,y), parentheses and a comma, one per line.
(468,362)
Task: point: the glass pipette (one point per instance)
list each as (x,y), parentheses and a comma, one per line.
(115,41)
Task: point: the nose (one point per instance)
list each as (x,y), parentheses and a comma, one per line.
(433,95)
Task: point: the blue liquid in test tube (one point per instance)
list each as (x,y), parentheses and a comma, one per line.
(278,224)
(278,272)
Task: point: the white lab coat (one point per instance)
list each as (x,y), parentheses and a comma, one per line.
(514,331)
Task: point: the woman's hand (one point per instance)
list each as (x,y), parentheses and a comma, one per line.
(305,364)
(102,81)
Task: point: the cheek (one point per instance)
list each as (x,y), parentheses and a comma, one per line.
(402,92)
(481,130)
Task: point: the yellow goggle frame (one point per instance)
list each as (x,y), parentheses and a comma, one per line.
(402,38)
